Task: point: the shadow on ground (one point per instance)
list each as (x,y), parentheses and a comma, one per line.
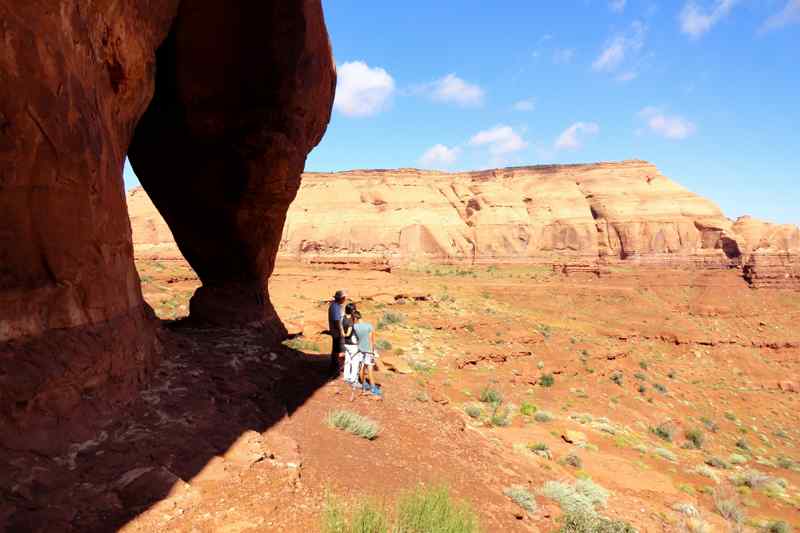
(212,386)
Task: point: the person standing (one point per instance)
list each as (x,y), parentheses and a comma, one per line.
(335,315)
(352,361)
(365,334)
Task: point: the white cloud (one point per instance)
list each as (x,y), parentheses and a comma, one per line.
(628,76)
(668,126)
(362,91)
(501,140)
(617,5)
(562,56)
(790,14)
(439,156)
(452,89)
(570,137)
(696,20)
(529,104)
(620,46)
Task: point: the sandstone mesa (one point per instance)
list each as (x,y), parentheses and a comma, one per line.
(584,216)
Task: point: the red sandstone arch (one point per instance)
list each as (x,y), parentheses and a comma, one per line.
(218,104)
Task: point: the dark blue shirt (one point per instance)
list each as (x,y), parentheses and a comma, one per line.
(334,318)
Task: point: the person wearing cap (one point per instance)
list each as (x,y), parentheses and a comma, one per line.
(335,315)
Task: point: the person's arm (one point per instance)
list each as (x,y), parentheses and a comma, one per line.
(341,328)
(372,339)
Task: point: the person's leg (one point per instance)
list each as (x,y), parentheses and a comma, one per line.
(333,368)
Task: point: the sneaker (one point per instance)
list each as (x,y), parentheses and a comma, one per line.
(376,390)
(365,387)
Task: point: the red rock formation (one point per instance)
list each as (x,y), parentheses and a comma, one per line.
(243,92)
(575,217)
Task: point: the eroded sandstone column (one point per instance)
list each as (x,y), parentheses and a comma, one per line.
(244,91)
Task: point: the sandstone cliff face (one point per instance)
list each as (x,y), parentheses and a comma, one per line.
(605,213)
(81,84)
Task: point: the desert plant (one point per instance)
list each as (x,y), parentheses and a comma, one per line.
(716,462)
(354,423)
(643,365)
(727,505)
(383,345)
(617,378)
(695,438)
(490,395)
(666,454)
(527,409)
(743,445)
(784,462)
(730,416)
(543,416)
(664,431)
(660,388)
(433,510)
(389,319)
(778,526)
(473,411)
(737,459)
(569,499)
(545,330)
(752,479)
(706,471)
(500,417)
(597,494)
(522,497)
(547,380)
(640,376)
(582,522)
(366,518)
(573,460)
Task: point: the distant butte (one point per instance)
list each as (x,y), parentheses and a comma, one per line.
(574,217)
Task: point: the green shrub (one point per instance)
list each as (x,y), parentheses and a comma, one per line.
(543,416)
(643,365)
(666,454)
(727,505)
(617,378)
(473,411)
(390,319)
(582,522)
(569,499)
(750,478)
(522,497)
(716,462)
(432,510)
(500,417)
(695,438)
(545,330)
(778,526)
(383,345)
(527,409)
(737,459)
(784,462)
(640,376)
(596,494)
(573,460)
(660,388)
(366,518)
(547,380)
(707,471)
(730,416)
(490,395)
(664,431)
(743,445)
(354,423)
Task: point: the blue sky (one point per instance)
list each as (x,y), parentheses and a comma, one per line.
(707,90)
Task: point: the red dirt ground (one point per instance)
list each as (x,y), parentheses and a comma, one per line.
(232,435)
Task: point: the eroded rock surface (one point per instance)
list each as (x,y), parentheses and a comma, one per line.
(241,90)
(578,216)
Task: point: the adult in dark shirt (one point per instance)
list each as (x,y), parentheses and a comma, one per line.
(335,315)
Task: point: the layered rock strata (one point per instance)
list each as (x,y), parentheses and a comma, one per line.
(217,103)
(575,217)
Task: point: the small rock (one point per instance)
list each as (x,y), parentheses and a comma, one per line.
(788,386)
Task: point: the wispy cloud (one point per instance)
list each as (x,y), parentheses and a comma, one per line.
(790,14)
(696,20)
(362,91)
(562,56)
(672,127)
(526,105)
(453,90)
(501,140)
(620,47)
(439,156)
(617,5)
(571,138)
